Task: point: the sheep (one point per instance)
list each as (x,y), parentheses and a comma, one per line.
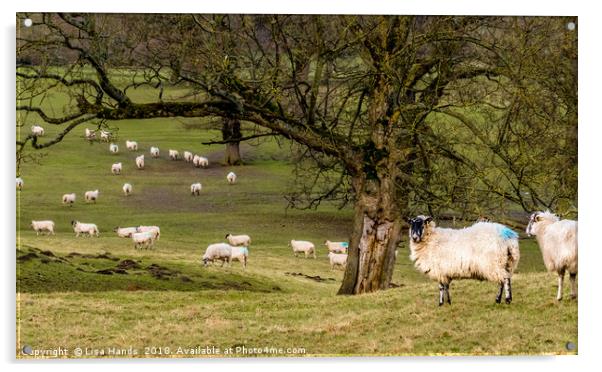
(140,162)
(155,229)
(231,177)
(37,131)
(240,254)
(131,145)
(143,239)
(41,226)
(200,161)
(105,135)
(336,247)
(91,196)
(301,246)
(113,148)
(195,189)
(116,168)
(188,156)
(337,259)
(485,251)
(89,134)
(127,189)
(174,154)
(236,240)
(125,232)
(219,251)
(69,199)
(154,151)
(19,183)
(557,240)
(84,228)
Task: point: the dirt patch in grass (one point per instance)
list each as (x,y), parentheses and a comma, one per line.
(316,278)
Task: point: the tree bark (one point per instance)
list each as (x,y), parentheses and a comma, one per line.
(230,132)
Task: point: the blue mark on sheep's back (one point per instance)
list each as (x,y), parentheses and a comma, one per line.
(507,233)
(245,250)
(345,244)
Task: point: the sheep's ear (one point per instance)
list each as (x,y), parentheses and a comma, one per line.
(410,220)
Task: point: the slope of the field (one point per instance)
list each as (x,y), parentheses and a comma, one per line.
(101,293)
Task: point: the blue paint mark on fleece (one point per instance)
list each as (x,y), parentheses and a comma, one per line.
(345,244)
(245,250)
(507,233)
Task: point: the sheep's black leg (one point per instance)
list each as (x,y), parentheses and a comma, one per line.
(498,298)
(441,293)
(573,277)
(508,290)
(447,293)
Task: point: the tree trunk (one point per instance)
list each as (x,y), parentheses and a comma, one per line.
(231,132)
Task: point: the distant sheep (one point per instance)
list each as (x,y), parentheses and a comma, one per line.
(37,131)
(188,156)
(125,232)
(69,199)
(195,189)
(557,240)
(105,135)
(200,161)
(336,247)
(218,252)
(116,168)
(154,151)
(231,177)
(337,259)
(486,251)
(140,162)
(155,229)
(240,254)
(84,228)
(91,196)
(127,189)
(301,246)
(113,148)
(174,154)
(43,226)
(89,134)
(131,145)
(143,239)
(237,240)
(19,183)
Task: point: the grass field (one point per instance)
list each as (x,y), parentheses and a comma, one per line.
(100,293)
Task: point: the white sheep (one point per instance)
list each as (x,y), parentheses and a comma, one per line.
(231,177)
(131,145)
(19,183)
(155,229)
(105,135)
(143,239)
(127,189)
(301,246)
(113,148)
(89,134)
(195,189)
(84,228)
(188,156)
(125,232)
(200,161)
(485,251)
(219,251)
(140,162)
(91,196)
(240,254)
(69,199)
(37,131)
(41,226)
(336,247)
(116,168)
(154,151)
(236,240)
(174,154)
(337,259)
(557,240)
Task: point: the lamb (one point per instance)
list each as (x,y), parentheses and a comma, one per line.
(41,226)
(174,154)
(19,183)
(240,254)
(557,240)
(336,247)
(236,240)
(301,246)
(84,228)
(89,134)
(195,189)
(219,251)
(485,251)
(116,168)
(155,229)
(69,199)
(105,136)
(125,232)
(91,196)
(200,161)
(113,148)
(337,259)
(131,145)
(127,189)
(188,156)
(143,239)
(154,151)
(140,162)
(231,177)
(37,131)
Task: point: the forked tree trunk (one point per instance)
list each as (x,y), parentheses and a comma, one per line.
(231,132)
